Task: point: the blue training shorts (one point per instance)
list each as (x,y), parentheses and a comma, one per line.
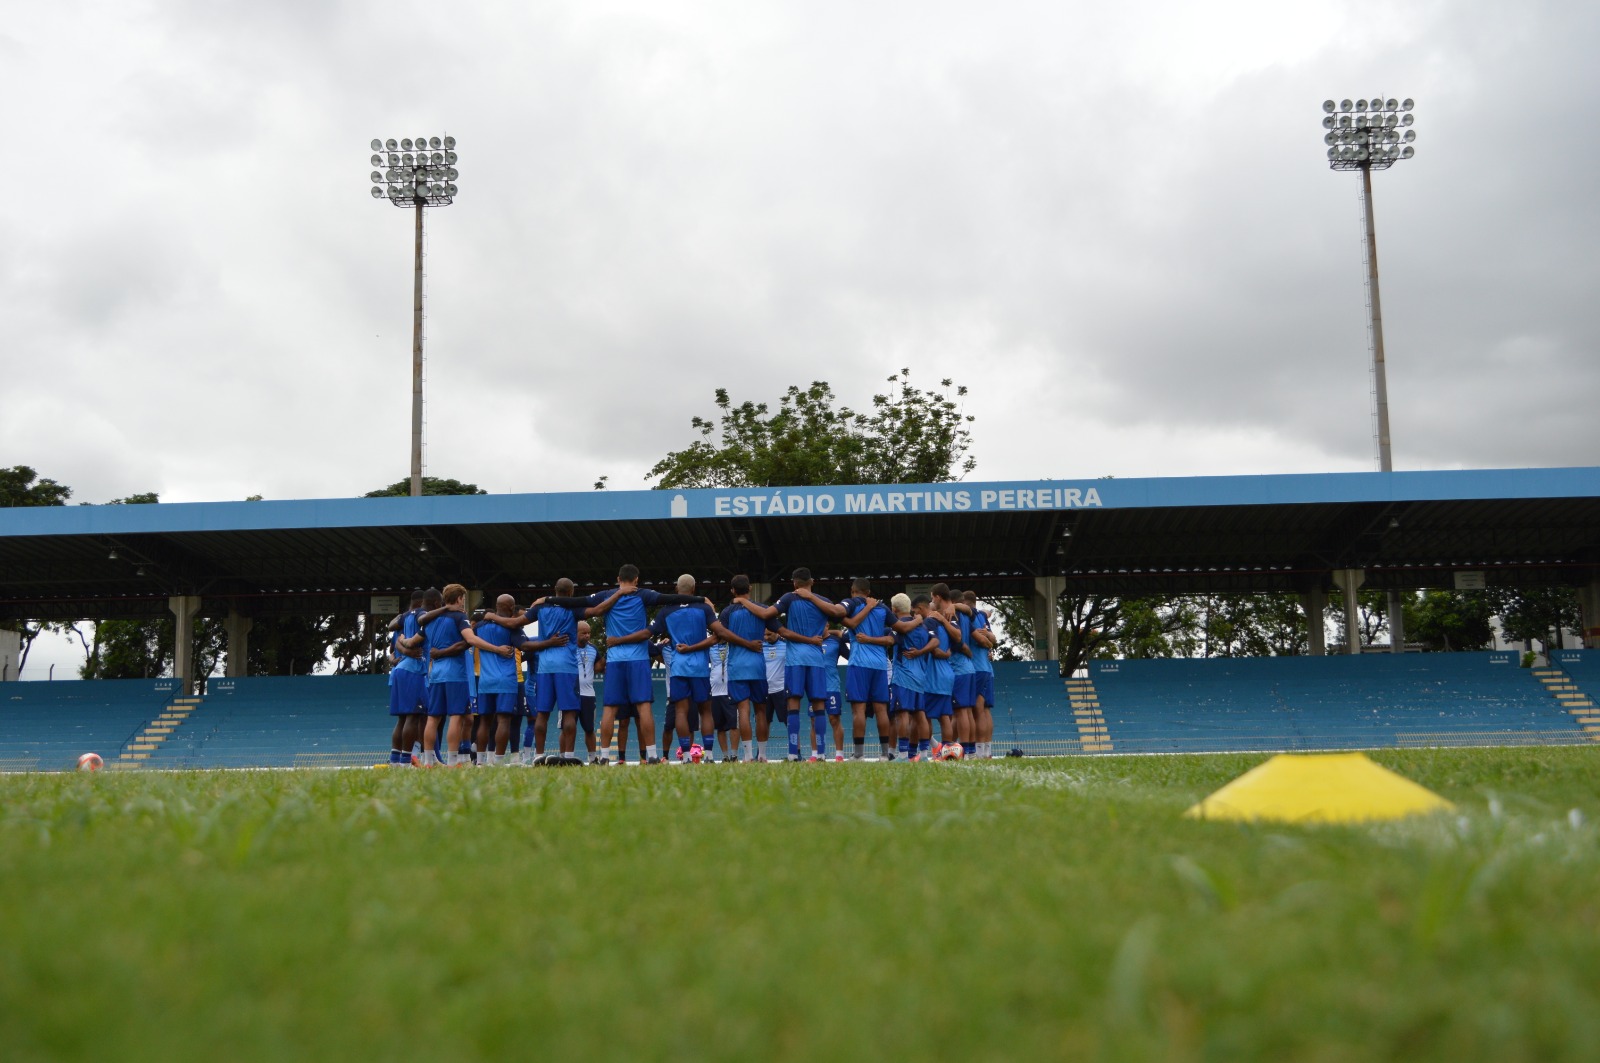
(869,685)
(835,703)
(497,704)
(747,690)
(965,691)
(723,713)
(448,699)
(628,683)
(586,713)
(986,688)
(556,690)
(936,705)
(808,682)
(408,693)
(696,689)
(907,700)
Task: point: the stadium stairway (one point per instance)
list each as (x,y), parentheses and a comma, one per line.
(1570,694)
(148,741)
(1093,737)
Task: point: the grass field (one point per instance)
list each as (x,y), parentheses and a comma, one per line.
(1021,909)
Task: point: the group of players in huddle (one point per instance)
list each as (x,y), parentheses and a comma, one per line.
(460,686)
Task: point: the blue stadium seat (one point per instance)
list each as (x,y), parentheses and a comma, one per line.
(49,725)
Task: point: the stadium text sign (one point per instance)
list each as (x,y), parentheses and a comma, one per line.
(901,500)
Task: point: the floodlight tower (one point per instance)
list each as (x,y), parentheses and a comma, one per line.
(1369,135)
(415,173)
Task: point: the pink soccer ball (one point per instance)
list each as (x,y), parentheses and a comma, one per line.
(697,753)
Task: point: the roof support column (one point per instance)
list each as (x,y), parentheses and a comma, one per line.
(761,592)
(1349,581)
(474,601)
(184,607)
(238,626)
(1315,604)
(1397,621)
(1047,592)
(1589,606)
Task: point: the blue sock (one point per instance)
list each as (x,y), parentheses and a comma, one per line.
(969,748)
(923,744)
(904,746)
(819,725)
(794,733)
(708,742)
(527,736)
(683,746)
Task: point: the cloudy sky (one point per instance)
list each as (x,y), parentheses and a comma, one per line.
(1114,223)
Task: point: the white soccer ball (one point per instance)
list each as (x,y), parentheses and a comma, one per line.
(90,762)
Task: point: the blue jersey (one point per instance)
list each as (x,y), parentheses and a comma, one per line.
(940,678)
(866,655)
(960,663)
(442,634)
(831,647)
(910,671)
(803,618)
(980,654)
(687,624)
(558,620)
(408,629)
(496,674)
(744,665)
(628,616)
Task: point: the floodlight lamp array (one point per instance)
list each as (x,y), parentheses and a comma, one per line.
(410,172)
(1366,134)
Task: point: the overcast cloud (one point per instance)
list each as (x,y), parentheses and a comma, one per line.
(1114,223)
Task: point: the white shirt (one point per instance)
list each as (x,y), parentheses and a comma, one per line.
(777,654)
(586,656)
(719,670)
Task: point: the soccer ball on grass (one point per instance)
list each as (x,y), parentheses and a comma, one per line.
(90,762)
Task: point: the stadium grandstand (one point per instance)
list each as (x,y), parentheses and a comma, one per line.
(1038,540)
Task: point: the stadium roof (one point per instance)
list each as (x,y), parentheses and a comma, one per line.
(1136,536)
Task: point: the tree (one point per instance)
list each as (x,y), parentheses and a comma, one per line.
(1251,625)
(1538,614)
(431,485)
(1098,626)
(20,486)
(1372,610)
(911,435)
(1450,620)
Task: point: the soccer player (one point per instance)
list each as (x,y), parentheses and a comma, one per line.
(834,643)
(866,683)
(805,624)
(913,643)
(746,622)
(983,641)
(586,656)
(964,689)
(628,665)
(775,653)
(556,686)
(690,630)
(940,679)
(497,682)
(723,716)
(408,683)
(448,635)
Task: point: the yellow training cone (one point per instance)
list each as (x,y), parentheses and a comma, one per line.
(1318,788)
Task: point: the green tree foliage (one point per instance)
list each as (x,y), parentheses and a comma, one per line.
(1450,620)
(431,485)
(1093,626)
(911,435)
(1250,625)
(20,486)
(1538,614)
